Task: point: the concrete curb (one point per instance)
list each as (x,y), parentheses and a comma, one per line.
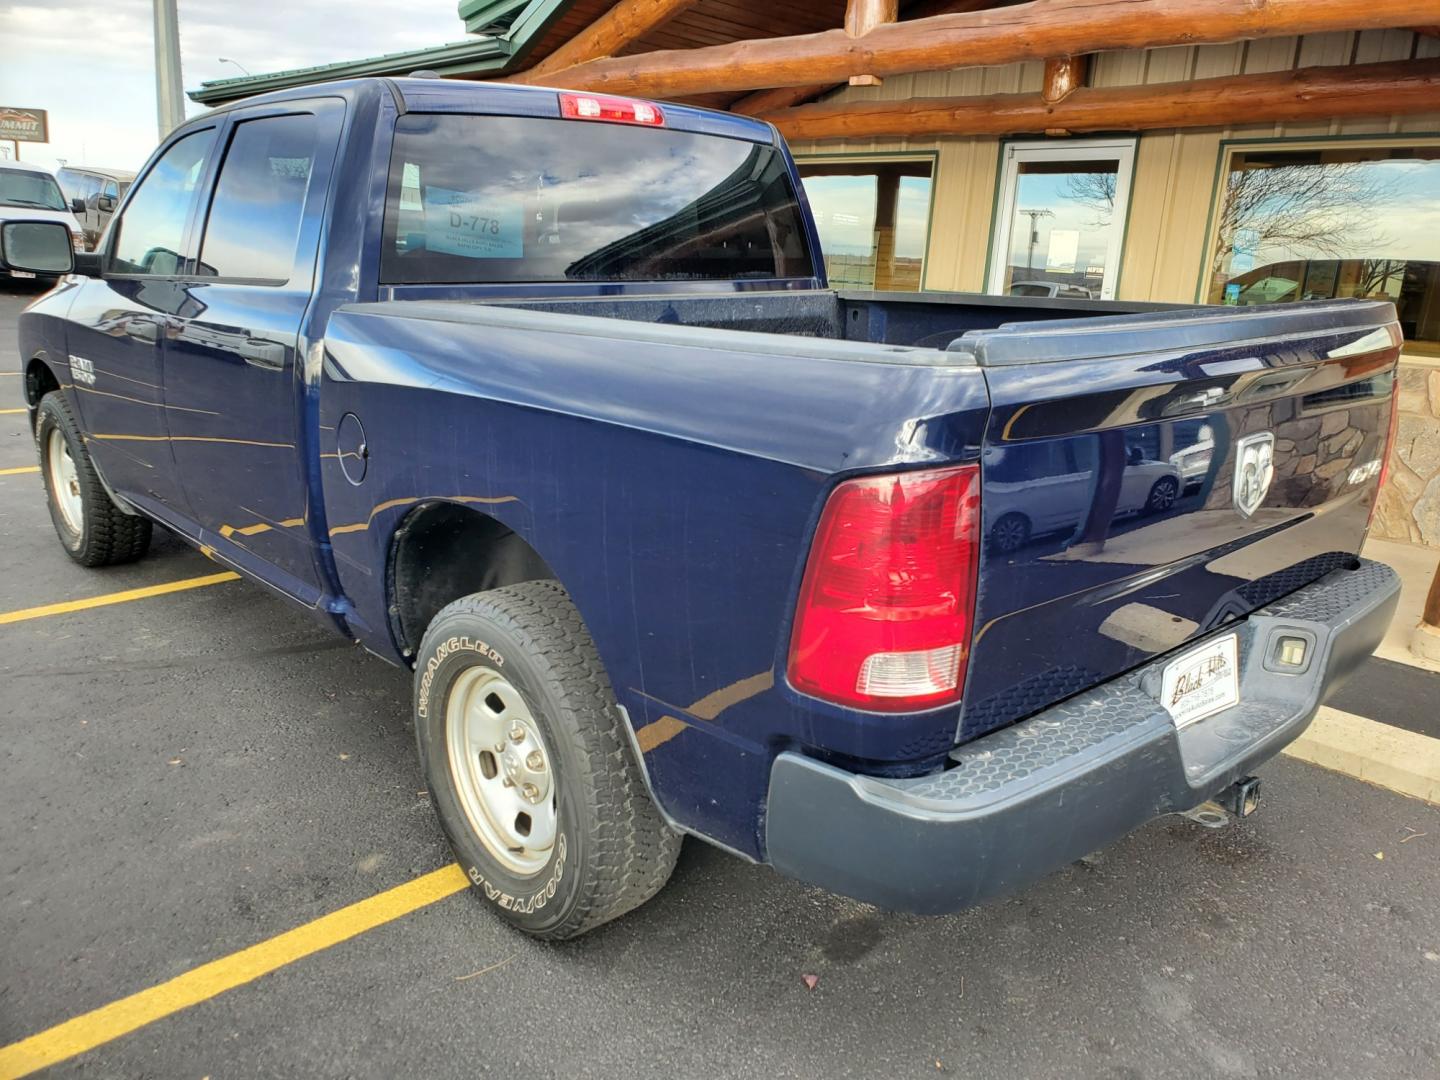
(1377,753)
(1425,642)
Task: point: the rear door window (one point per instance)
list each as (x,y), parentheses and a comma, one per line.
(260,199)
(501,198)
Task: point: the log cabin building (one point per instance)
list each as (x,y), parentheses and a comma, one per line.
(1230,152)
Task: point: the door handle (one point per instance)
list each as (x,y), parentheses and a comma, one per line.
(264,354)
(146,330)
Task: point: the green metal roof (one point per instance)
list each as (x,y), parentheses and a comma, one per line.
(514,26)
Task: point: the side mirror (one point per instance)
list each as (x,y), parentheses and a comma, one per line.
(36,247)
(105,204)
(77,205)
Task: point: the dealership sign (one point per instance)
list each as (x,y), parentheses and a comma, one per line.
(23,125)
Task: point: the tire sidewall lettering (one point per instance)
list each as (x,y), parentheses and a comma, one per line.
(447,648)
(524,905)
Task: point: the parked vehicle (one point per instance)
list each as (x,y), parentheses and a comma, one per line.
(1039,287)
(1196,450)
(30,193)
(543,395)
(1028,497)
(94,193)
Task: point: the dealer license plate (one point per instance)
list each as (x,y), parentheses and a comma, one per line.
(21,273)
(1202,682)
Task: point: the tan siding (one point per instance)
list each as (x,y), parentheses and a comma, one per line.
(1174,179)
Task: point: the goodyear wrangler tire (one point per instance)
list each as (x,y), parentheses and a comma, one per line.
(92,529)
(532,776)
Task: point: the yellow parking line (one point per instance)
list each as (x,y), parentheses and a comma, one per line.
(19,470)
(12,412)
(116,597)
(121,1017)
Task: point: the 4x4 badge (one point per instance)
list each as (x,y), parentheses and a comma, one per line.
(1254,469)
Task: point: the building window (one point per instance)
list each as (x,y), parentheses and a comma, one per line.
(1335,220)
(1060,218)
(874,220)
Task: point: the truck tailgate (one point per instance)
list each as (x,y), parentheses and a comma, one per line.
(1174,473)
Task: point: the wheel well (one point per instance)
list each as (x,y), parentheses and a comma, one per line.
(39,381)
(442,552)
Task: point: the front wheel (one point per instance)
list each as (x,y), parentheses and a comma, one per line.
(92,529)
(530,771)
(1163,494)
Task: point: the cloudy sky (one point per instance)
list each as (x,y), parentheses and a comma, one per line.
(91,62)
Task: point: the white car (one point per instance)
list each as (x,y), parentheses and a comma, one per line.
(1051,491)
(31,193)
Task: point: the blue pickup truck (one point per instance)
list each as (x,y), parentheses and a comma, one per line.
(543,396)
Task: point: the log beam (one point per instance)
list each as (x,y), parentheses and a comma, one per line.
(783,97)
(626,22)
(1389,89)
(1033,31)
(862,16)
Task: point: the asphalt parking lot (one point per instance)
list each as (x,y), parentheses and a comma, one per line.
(191,774)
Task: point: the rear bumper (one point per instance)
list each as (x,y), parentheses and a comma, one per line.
(1043,792)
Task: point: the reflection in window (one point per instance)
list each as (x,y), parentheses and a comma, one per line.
(1060,234)
(259,199)
(499,198)
(1335,222)
(873,219)
(149,235)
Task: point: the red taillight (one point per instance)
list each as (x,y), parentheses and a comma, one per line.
(613,110)
(885,608)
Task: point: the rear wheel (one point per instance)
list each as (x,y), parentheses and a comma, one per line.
(93,530)
(1163,494)
(530,771)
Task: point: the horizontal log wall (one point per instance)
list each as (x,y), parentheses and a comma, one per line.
(1174,171)
(1402,87)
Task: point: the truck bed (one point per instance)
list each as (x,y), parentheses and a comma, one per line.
(700,434)
(918,320)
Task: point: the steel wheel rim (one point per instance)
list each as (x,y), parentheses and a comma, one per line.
(64,480)
(502,770)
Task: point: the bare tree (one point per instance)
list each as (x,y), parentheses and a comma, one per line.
(1094,191)
(1376,274)
(1315,210)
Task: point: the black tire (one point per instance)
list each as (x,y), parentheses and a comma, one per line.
(1163,494)
(106,535)
(613,850)
(1011,532)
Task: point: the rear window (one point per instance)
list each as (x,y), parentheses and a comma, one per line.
(498,198)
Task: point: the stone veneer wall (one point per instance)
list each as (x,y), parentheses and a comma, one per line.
(1410,501)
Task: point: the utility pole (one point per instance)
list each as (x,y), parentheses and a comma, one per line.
(1034,216)
(169,95)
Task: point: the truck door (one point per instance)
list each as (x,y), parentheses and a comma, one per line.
(118,325)
(233,358)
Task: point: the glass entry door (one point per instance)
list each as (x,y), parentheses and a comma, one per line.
(1060,218)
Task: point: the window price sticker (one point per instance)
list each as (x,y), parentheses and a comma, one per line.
(459,223)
